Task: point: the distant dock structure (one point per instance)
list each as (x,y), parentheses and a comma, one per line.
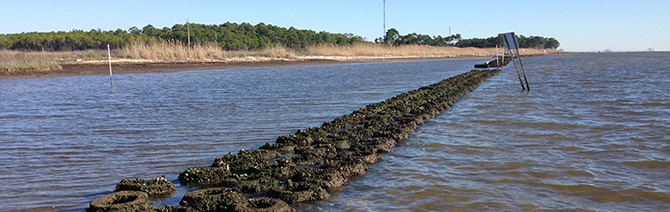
(512,46)
(512,49)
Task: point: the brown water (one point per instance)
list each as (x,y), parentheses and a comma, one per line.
(592,134)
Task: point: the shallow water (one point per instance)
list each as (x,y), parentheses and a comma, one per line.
(591,134)
(65,141)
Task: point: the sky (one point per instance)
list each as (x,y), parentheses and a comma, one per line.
(579,25)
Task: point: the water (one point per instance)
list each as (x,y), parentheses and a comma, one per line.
(66,141)
(591,135)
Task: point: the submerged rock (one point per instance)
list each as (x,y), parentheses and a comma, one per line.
(297,192)
(212,199)
(173,208)
(204,176)
(252,183)
(348,167)
(156,188)
(121,201)
(246,160)
(263,204)
(325,178)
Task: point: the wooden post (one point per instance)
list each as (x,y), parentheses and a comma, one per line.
(497,60)
(523,70)
(517,69)
(503,54)
(188,45)
(384,34)
(109,57)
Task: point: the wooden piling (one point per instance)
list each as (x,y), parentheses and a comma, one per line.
(523,70)
(109,58)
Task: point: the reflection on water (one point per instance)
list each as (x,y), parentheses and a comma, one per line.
(591,135)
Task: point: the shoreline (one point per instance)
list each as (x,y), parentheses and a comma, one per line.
(126,66)
(88,69)
(166,59)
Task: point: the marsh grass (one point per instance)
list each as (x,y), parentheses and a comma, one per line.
(379,50)
(15,61)
(171,51)
(175,51)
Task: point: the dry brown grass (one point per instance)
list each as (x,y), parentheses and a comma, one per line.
(138,52)
(277,52)
(13,61)
(207,52)
(379,50)
(176,51)
(164,51)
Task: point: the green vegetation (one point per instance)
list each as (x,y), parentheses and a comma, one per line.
(229,36)
(393,37)
(232,36)
(536,42)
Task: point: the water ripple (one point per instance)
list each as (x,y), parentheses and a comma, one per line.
(591,136)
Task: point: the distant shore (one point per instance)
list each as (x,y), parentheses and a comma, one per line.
(170,58)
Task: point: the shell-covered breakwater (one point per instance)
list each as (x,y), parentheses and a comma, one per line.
(301,167)
(500,62)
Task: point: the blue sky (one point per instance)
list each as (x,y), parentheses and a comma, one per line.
(580,25)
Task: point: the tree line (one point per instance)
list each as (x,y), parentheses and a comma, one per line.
(537,42)
(244,36)
(393,37)
(229,36)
